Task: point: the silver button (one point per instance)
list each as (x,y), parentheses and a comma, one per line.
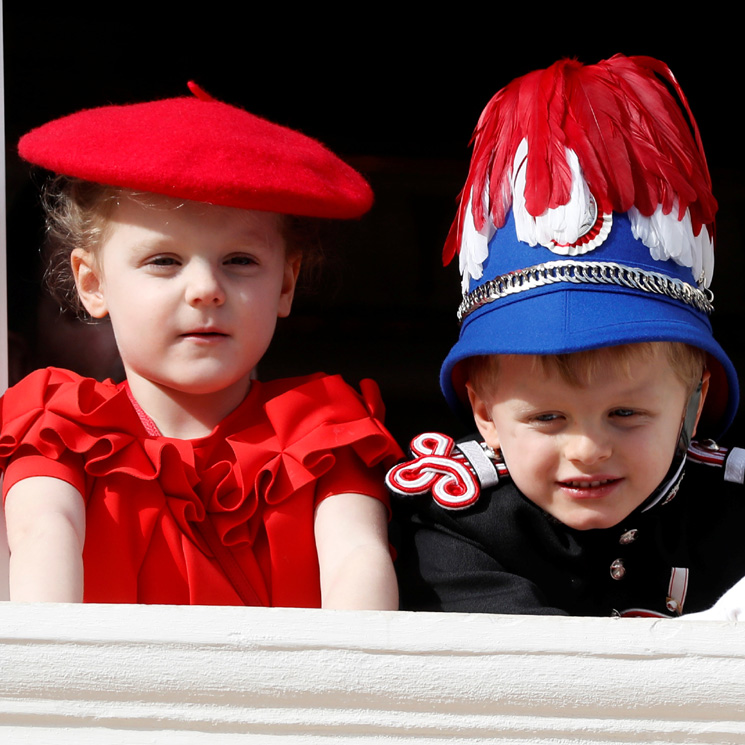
(617,569)
(628,537)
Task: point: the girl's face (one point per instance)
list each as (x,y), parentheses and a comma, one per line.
(193,290)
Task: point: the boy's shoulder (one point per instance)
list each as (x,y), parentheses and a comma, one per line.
(462,489)
(725,463)
(453,473)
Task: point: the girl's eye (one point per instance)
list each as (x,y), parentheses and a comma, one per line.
(241,260)
(163,261)
(623,413)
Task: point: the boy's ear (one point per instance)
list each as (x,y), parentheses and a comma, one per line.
(704,390)
(289,282)
(482,416)
(88,281)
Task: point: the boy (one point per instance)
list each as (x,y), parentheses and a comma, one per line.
(586,355)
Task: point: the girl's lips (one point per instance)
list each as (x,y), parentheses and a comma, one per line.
(205,335)
(204,332)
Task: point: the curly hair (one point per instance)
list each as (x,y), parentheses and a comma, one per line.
(78,214)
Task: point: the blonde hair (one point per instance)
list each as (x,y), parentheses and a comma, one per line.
(582,369)
(78,214)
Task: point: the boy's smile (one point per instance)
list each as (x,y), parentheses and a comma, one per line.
(588,455)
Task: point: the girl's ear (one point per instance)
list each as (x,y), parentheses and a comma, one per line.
(482,416)
(289,282)
(88,281)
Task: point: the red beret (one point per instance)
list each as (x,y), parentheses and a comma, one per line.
(204,150)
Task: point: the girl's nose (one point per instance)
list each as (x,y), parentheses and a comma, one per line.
(204,286)
(587,447)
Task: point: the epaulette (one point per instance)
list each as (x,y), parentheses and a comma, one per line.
(453,472)
(708,453)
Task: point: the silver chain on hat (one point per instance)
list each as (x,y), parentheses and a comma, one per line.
(585,272)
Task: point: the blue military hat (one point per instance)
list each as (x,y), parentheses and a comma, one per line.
(587,221)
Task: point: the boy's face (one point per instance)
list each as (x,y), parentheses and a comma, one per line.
(591,455)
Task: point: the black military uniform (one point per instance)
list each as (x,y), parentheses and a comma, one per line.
(503,554)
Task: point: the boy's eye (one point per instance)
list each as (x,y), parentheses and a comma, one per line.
(546,417)
(623,413)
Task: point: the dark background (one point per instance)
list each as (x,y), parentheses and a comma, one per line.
(397,93)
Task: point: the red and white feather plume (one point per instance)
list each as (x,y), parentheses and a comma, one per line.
(555,140)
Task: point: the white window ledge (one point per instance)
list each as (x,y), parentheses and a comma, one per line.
(158,674)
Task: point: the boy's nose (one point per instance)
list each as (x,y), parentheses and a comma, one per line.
(204,286)
(587,448)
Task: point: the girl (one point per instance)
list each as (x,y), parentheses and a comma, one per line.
(192,482)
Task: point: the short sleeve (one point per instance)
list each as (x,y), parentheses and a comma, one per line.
(54,422)
(350,475)
(68,467)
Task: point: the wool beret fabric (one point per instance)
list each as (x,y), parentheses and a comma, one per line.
(204,150)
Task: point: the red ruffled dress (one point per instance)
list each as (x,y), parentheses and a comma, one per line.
(156,506)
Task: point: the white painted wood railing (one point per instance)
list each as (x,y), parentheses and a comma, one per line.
(159,674)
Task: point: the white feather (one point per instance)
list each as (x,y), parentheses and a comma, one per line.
(564,224)
(524,221)
(474,248)
(670,238)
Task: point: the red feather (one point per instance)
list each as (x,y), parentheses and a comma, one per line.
(637,144)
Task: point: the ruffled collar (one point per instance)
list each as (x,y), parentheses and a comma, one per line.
(278,440)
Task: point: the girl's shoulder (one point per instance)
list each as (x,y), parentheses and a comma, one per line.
(58,423)
(55,406)
(59,390)
(318,397)
(61,387)
(309,415)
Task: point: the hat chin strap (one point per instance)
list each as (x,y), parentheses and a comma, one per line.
(668,488)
